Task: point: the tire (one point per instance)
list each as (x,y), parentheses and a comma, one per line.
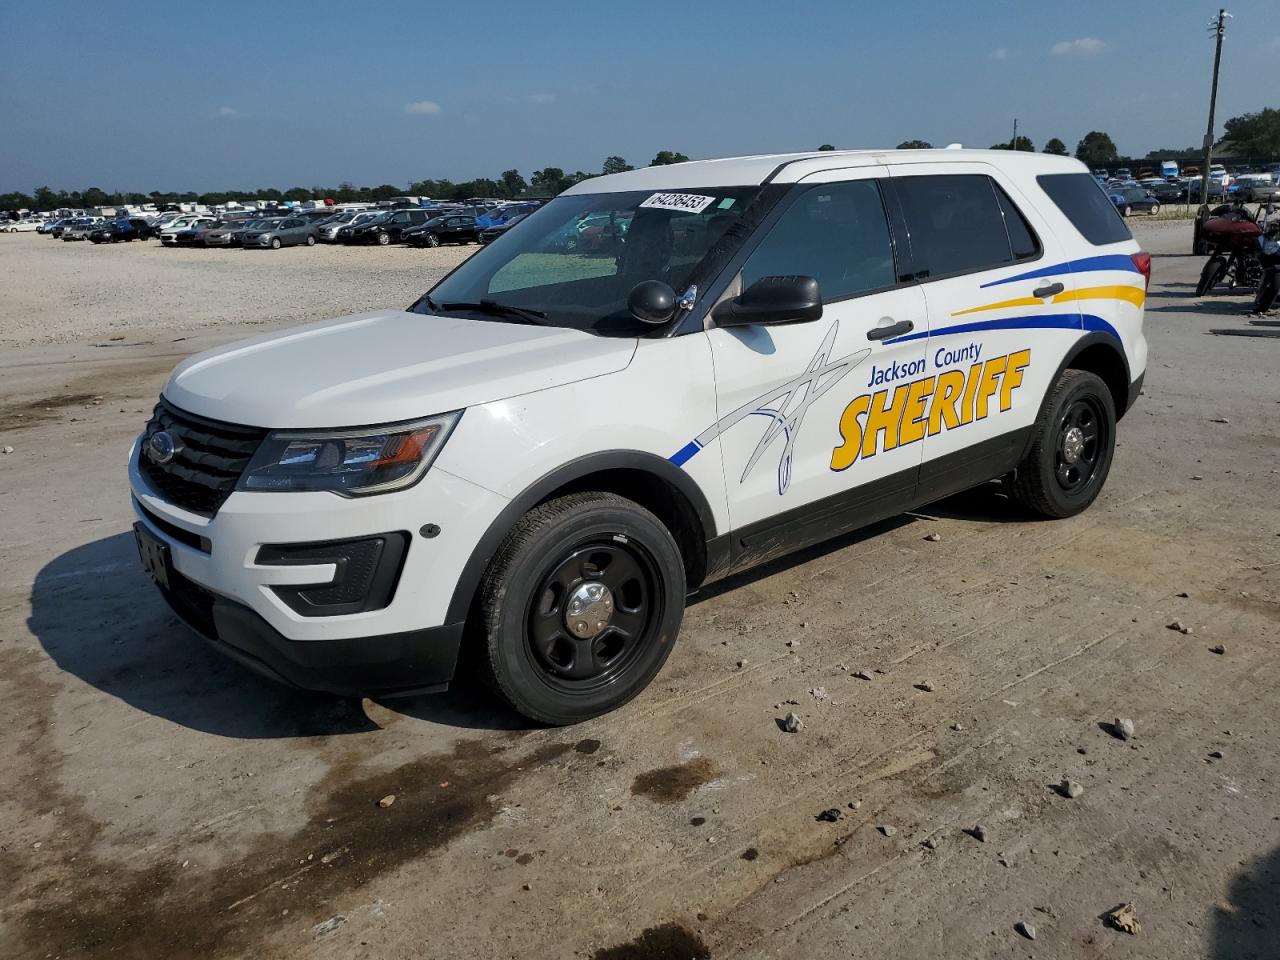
(384,239)
(1210,275)
(1048,481)
(574,542)
(311,241)
(433,240)
(1128,211)
(1155,208)
(275,243)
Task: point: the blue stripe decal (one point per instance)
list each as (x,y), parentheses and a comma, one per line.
(1054,321)
(685,453)
(1109,261)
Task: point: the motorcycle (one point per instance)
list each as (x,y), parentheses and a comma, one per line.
(1269,289)
(1231,235)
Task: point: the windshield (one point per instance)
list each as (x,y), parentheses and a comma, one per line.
(576,259)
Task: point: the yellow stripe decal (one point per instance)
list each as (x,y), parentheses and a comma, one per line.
(1020,302)
(1135,295)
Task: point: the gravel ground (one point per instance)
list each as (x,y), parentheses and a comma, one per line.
(58,292)
(157,800)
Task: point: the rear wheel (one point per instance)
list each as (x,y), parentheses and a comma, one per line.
(580,607)
(1128,210)
(1072,449)
(311,241)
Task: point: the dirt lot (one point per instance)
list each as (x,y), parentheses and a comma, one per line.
(156,801)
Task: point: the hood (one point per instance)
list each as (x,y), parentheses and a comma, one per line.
(384,367)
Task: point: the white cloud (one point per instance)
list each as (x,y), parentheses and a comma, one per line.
(422,108)
(1084,47)
(228,113)
(541,98)
(999,53)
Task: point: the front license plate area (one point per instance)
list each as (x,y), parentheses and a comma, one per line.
(154,554)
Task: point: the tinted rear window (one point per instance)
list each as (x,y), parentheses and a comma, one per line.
(956,223)
(1090,210)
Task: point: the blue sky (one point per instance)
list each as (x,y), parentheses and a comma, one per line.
(147,95)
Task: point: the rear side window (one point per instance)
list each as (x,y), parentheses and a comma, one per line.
(836,233)
(956,224)
(1083,202)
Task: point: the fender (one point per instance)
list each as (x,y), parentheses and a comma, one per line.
(1080,346)
(561,476)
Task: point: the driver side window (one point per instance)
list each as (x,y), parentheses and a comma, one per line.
(836,233)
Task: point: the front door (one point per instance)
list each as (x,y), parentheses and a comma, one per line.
(818,421)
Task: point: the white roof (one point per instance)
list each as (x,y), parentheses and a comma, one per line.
(793,167)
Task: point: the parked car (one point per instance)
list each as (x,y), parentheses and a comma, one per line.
(515,465)
(114,231)
(1129,200)
(279,232)
(1256,188)
(383,229)
(49,225)
(1192,188)
(169,232)
(19,226)
(1166,192)
(443,230)
(491,234)
(327,230)
(225,234)
(80,228)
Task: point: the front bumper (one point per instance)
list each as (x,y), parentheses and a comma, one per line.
(402,664)
(221,558)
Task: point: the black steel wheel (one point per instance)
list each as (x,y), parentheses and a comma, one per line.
(1072,446)
(580,607)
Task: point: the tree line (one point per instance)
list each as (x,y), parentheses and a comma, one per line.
(510,185)
(1253,135)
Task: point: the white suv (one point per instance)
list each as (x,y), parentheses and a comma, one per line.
(543,455)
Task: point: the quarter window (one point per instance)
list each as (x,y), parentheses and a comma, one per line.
(956,224)
(836,233)
(1089,209)
(1023,241)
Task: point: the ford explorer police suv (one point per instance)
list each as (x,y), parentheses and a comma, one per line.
(659,378)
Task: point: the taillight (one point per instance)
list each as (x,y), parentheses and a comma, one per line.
(1142,261)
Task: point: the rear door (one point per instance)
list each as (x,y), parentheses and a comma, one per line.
(809,413)
(1002,314)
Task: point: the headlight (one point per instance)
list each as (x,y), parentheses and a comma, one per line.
(348,462)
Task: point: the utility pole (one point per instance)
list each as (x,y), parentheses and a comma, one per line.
(1013,144)
(1218,27)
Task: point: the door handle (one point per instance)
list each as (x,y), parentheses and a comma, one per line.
(890,330)
(1049,291)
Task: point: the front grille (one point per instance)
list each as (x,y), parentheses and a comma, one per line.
(209,460)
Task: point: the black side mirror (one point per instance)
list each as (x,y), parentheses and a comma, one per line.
(772,300)
(652,301)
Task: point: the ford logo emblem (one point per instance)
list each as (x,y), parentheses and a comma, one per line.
(162,447)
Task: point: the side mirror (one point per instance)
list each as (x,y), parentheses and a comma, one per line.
(772,300)
(652,301)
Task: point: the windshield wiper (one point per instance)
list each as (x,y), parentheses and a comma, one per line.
(494,308)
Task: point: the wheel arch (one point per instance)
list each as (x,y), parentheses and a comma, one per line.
(651,481)
(1101,355)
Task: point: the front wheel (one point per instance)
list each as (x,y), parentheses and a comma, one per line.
(383,239)
(1128,210)
(1071,450)
(311,241)
(433,240)
(1212,272)
(1155,208)
(580,607)
(275,243)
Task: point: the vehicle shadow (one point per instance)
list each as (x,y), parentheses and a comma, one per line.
(1241,307)
(101,620)
(1246,924)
